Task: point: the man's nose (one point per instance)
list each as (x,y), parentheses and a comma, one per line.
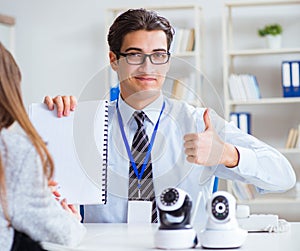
(146,65)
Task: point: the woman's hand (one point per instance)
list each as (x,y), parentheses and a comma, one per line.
(53,187)
(71,209)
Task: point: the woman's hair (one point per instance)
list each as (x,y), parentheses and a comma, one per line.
(134,20)
(12,109)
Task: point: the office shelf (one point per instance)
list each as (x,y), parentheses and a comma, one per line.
(236,60)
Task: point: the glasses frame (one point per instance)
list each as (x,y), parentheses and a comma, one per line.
(145,56)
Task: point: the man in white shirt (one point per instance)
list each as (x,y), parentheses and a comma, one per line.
(191,146)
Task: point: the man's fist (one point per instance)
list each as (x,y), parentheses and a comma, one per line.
(206,148)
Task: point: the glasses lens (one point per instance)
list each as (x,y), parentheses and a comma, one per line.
(159,58)
(136,58)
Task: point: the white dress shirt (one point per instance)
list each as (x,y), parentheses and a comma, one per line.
(259,163)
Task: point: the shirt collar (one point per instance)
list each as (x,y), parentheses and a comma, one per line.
(152,110)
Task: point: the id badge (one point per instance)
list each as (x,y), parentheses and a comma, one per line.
(139,211)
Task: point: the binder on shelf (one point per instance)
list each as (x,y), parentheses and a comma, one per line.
(178,88)
(295,78)
(78,145)
(243,87)
(289,140)
(298,139)
(290,71)
(293,138)
(184,40)
(177,40)
(251,86)
(233,88)
(184,88)
(191,40)
(286,79)
(242,120)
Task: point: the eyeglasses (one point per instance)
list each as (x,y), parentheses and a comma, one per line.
(156,58)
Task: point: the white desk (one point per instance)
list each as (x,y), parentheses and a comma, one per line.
(122,237)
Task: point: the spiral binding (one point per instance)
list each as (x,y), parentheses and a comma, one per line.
(105,154)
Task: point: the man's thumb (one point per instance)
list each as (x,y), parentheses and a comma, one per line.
(206,120)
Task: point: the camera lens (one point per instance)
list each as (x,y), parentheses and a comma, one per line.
(220,207)
(169,197)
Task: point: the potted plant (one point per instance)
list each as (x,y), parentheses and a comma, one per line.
(273,34)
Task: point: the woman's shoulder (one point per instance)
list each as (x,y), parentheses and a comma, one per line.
(15,141)
(19,157)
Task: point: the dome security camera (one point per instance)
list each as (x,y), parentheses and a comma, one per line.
(175,232)
(222,229)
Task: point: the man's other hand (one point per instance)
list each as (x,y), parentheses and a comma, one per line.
(64,104)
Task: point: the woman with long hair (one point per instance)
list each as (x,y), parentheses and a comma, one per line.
(29,213)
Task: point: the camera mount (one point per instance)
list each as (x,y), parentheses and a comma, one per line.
(222,229)
(175,231)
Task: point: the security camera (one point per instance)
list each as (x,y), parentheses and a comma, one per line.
(175,232)
(222,229)
(174,209)
(221,209)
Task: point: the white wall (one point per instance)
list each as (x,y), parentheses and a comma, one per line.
(58,44)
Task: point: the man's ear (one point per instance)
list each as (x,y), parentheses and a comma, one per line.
(113,61)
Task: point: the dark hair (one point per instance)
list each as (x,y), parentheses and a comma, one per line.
(134,20)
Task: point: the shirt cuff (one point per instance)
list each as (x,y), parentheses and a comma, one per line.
(247,161)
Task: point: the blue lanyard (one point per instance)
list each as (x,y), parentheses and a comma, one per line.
(121,125)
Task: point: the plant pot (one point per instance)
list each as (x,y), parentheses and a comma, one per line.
(273,42)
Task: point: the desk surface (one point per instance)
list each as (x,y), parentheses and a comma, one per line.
(141,237)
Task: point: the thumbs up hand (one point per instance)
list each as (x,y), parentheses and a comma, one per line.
(206,148)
